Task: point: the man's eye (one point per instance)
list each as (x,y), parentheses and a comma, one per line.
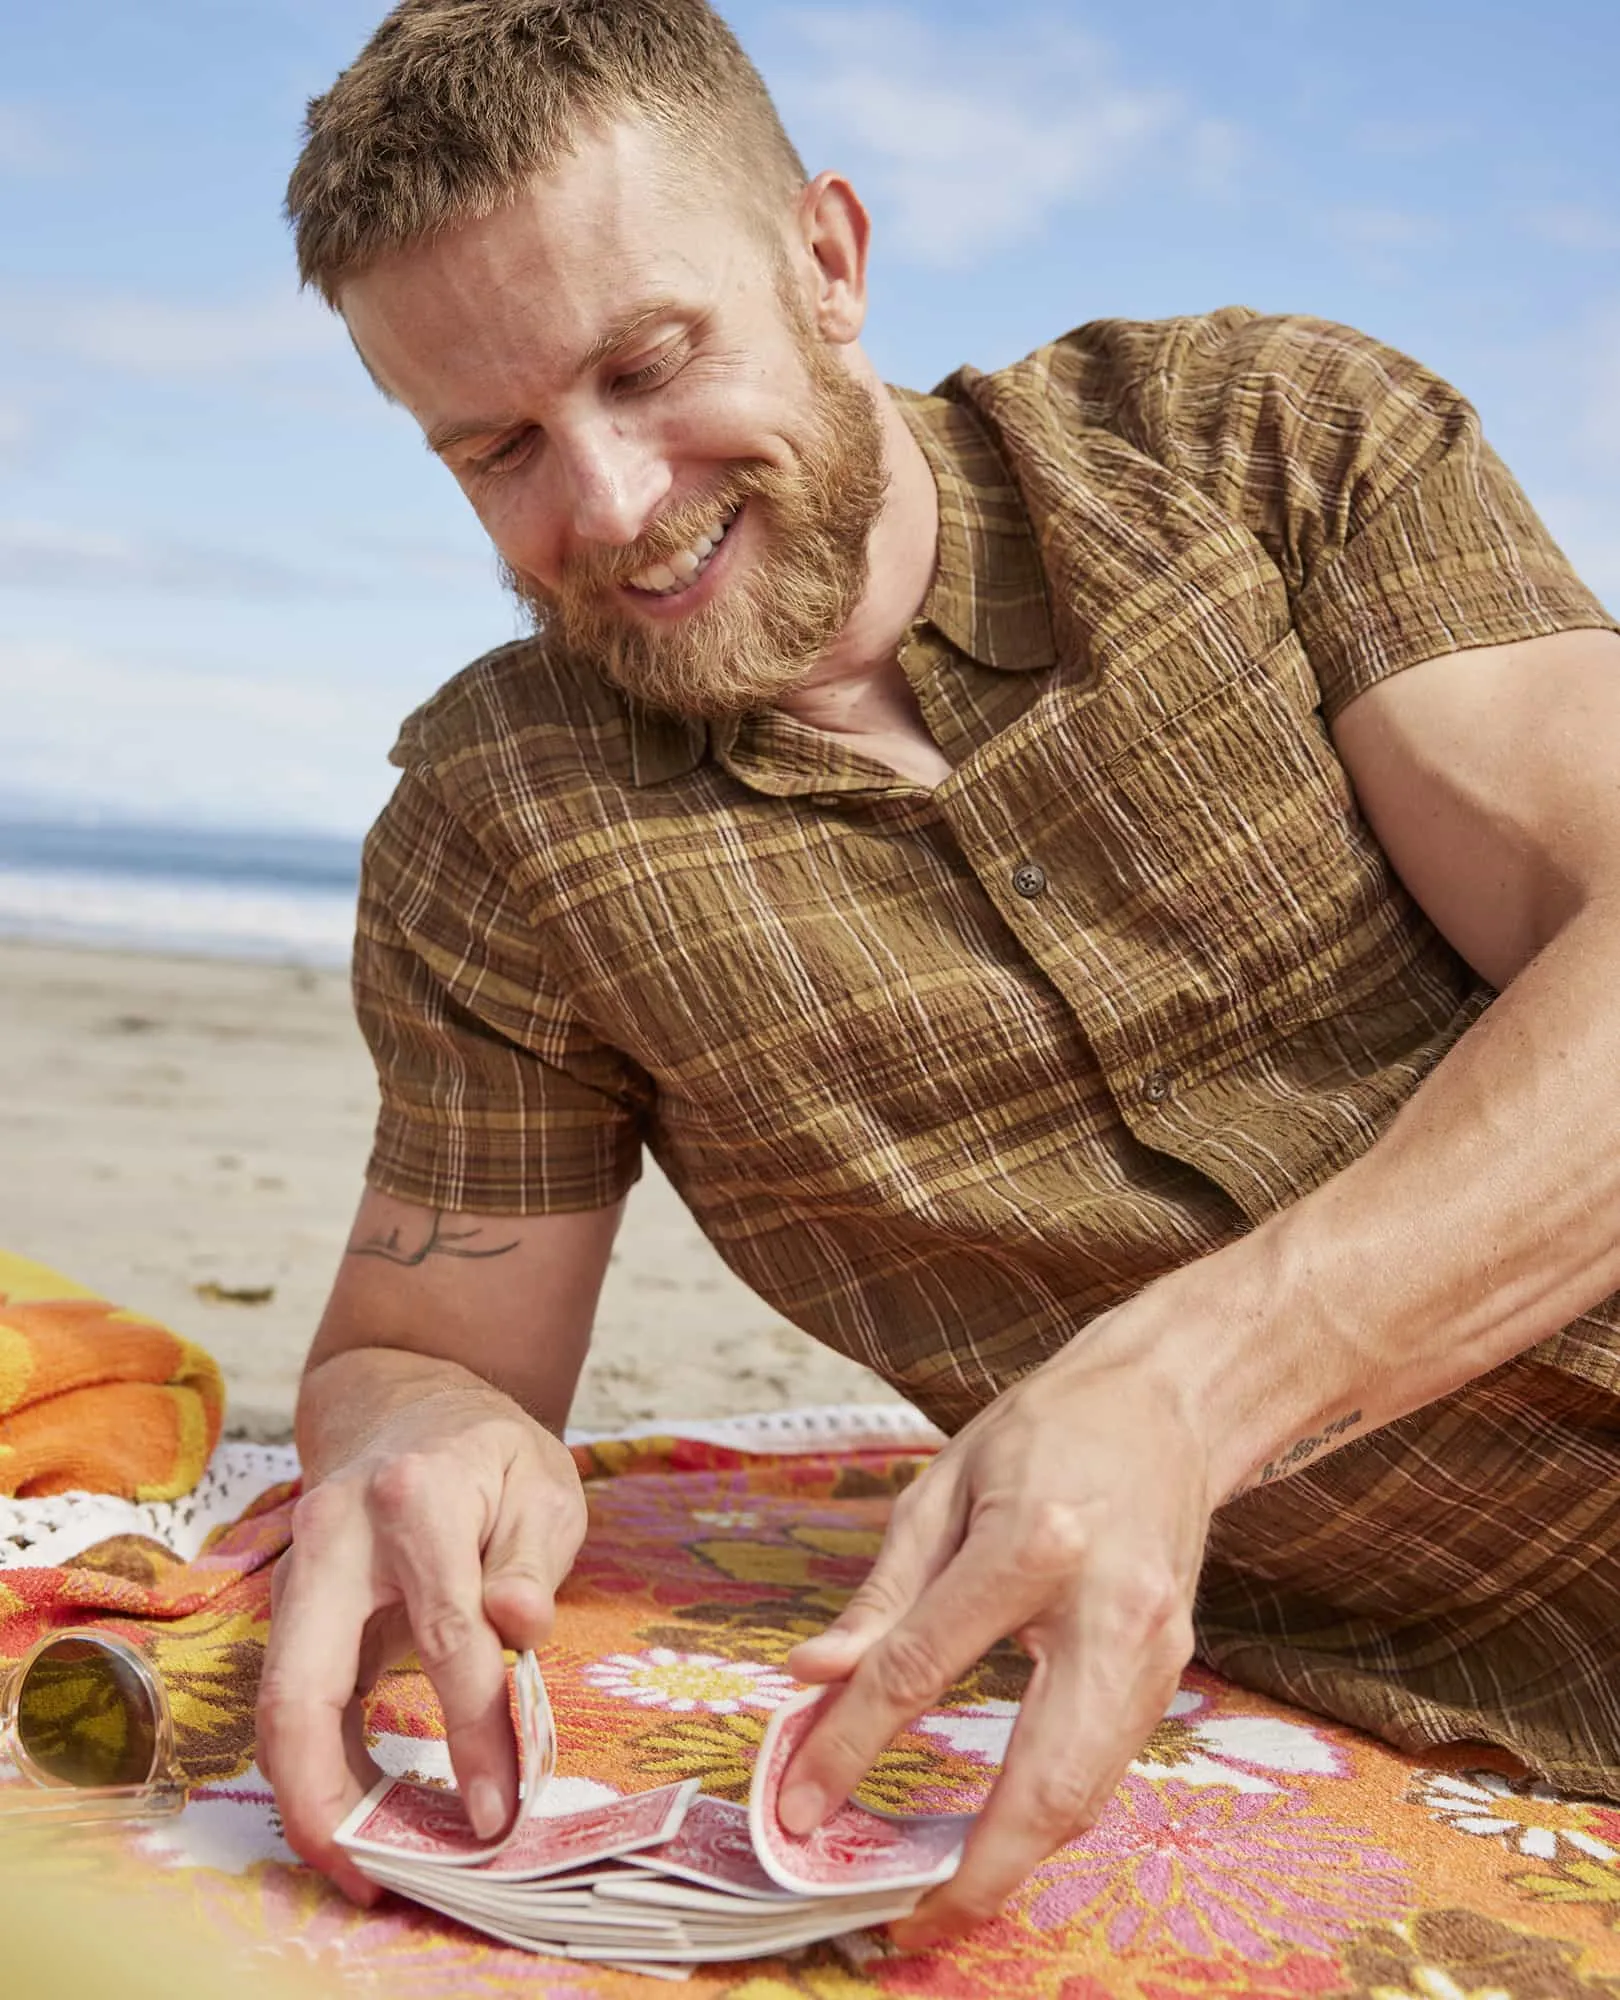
(504,454)
(654,373)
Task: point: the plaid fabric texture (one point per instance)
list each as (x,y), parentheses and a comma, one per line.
(1454,1577)
(945,1074)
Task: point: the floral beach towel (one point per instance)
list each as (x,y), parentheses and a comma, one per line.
(1250,1850)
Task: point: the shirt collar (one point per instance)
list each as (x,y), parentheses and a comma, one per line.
(988,595)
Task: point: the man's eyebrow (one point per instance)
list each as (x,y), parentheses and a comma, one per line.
(649,313)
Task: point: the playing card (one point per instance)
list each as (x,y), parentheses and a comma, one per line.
(715,1849)
(578,1921)
(431,1821)
(756,1943)
(537,1732)
(674,1971)
(410,1823)
(853,1848)
(661,1878)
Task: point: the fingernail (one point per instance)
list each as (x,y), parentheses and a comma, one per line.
(801,1807)
(485,1808)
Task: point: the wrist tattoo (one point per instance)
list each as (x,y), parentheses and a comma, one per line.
(1297,1454)
(440,1242)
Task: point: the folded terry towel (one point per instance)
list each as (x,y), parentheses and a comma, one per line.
(94,1399)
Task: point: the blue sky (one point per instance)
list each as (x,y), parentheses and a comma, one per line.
(227,569)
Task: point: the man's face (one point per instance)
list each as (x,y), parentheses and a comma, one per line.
(680,475)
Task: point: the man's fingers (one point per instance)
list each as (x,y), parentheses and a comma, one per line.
(527,1556)
(924,1532)
(324,1595)
(1091,1704)
(431,1548)
(958,1617)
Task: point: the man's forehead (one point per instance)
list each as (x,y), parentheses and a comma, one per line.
(618,194)
(565,274)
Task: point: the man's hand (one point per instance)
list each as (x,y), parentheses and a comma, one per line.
(449,1533)
(441,1510)
(1071,1512)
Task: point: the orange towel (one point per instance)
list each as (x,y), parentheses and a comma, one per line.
(94,1399)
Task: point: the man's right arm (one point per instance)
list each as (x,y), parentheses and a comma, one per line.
(441,1509)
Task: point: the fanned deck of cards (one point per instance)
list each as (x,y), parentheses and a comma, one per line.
(661,1878)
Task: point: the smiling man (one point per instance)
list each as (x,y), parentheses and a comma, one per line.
(1100,886)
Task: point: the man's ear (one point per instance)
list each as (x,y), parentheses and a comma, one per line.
(836,230)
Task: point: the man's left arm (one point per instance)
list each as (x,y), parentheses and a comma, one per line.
(1485,1217)
(1073,1510)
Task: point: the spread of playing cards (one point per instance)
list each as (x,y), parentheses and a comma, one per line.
(658,1879)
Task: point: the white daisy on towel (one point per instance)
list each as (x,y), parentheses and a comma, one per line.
(1192,1743)
(1527,1815)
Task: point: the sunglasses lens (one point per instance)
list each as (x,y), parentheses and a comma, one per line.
(85,1716)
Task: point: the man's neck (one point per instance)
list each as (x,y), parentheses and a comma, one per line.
(857,684)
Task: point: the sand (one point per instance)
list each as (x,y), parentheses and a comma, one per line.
(174,1130)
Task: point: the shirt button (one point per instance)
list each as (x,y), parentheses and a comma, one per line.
(1156,1086)
(1029,880)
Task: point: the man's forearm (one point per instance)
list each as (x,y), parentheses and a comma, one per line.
(1480,1223)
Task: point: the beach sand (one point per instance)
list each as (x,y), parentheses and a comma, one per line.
(176,1130)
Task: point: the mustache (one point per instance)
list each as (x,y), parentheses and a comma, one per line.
(595,570)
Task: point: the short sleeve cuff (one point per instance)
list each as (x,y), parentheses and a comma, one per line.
(502,1163)
(1456,560)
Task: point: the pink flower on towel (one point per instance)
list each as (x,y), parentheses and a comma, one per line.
(1196,1870)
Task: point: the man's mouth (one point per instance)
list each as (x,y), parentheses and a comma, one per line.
(680,571)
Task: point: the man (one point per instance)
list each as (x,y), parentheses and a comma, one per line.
(1038,864)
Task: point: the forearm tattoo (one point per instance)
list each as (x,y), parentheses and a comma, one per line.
(440,1242)
(1298,1453)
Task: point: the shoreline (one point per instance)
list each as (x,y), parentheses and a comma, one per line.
(171,1123)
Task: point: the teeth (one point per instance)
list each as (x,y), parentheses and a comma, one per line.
(666,579)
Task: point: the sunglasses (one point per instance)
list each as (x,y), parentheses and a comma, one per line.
(85,1720)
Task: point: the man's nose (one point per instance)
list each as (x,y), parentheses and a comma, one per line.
(614,483)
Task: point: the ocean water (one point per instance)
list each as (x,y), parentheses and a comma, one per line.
(198,891)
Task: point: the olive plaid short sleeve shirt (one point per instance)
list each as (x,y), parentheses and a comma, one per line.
(944,1074)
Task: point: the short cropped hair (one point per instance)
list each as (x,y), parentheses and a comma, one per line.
(453,104)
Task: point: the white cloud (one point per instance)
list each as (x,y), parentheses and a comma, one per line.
(134,735)
(173,339)
(1584,362)
(1216,153)
(973,141)
(27,145)
(1381,241)
(1409,138)
(1386,228)
(1572,226)
(16,432)
(53,556)
(38,555)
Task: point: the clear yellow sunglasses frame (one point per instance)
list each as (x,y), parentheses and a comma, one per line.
(82,1707)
